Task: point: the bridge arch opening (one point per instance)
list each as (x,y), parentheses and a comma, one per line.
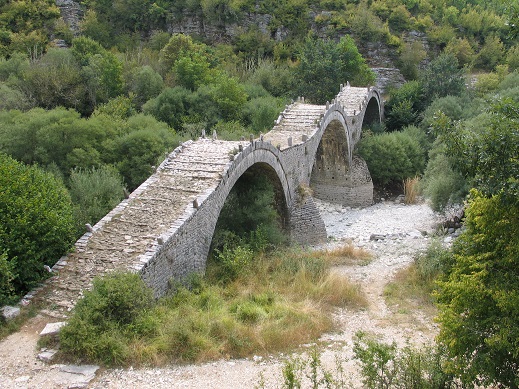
(332,163)
(255,203)
(372,114)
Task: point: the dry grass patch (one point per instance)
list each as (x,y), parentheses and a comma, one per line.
(347,254)
(413,287)
(411,190)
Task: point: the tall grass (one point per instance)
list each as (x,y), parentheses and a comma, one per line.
(411,190)
(272,303)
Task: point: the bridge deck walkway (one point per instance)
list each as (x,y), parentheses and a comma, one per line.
(298,120)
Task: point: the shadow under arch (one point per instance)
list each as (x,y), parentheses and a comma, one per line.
(332,163)
(372,114)
(338,175)
(256,199)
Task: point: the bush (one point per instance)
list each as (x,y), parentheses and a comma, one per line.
(478,297)
(278,80)
(404,106)
(261,113)
(94,192)
(36,224)
(441,184)
(106,318)
(392,157)
(385,366)
(6,280)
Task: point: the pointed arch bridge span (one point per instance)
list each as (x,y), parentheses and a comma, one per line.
(164,229)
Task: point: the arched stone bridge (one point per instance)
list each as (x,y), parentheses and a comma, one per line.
(165,227)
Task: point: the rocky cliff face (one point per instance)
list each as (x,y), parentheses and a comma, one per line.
(71,13)
(378,55)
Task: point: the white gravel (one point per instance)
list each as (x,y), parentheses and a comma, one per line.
(393,232)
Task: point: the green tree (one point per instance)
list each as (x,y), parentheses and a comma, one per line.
(443,77)
(324,65)
(54,80)
(36,222)
(94,192)
(145,83)
(489,155)
(462,50)
(26,25)
(170,107)
(404,106)
(479,296)
(142,147)
(410,58)
(392,157)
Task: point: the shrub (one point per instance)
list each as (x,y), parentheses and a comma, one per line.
(478,296)
(94,192)
(278,80)
(106,317)
(261,113)
(6,280)
(392,157)
(36,224)
(451,106)
(442,184)
(385,366)
(404,106)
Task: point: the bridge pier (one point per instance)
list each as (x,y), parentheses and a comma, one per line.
(353,188)
(306,225)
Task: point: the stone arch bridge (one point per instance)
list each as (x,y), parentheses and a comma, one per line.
(165,227)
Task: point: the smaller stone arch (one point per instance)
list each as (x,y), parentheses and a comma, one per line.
(373,111)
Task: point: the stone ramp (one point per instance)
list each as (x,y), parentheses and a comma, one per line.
(296,121)
(353,99)
(126,233)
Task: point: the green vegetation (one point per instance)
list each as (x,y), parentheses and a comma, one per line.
(324,65)
(36,225)
(87,122)
(275,302)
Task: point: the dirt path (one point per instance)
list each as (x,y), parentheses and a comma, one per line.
(393,232)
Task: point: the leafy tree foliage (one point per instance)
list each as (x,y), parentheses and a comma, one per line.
(145,84)
(443,77)
(404,106)
(24,25)
(36,225)
(324,65)
(488,155)
(94,193)
(392,157)
(479,296)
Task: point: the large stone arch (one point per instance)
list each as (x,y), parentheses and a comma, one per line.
(185,249)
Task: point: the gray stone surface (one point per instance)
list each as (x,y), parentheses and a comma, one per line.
(52,328)
(9,313)
(47,355)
